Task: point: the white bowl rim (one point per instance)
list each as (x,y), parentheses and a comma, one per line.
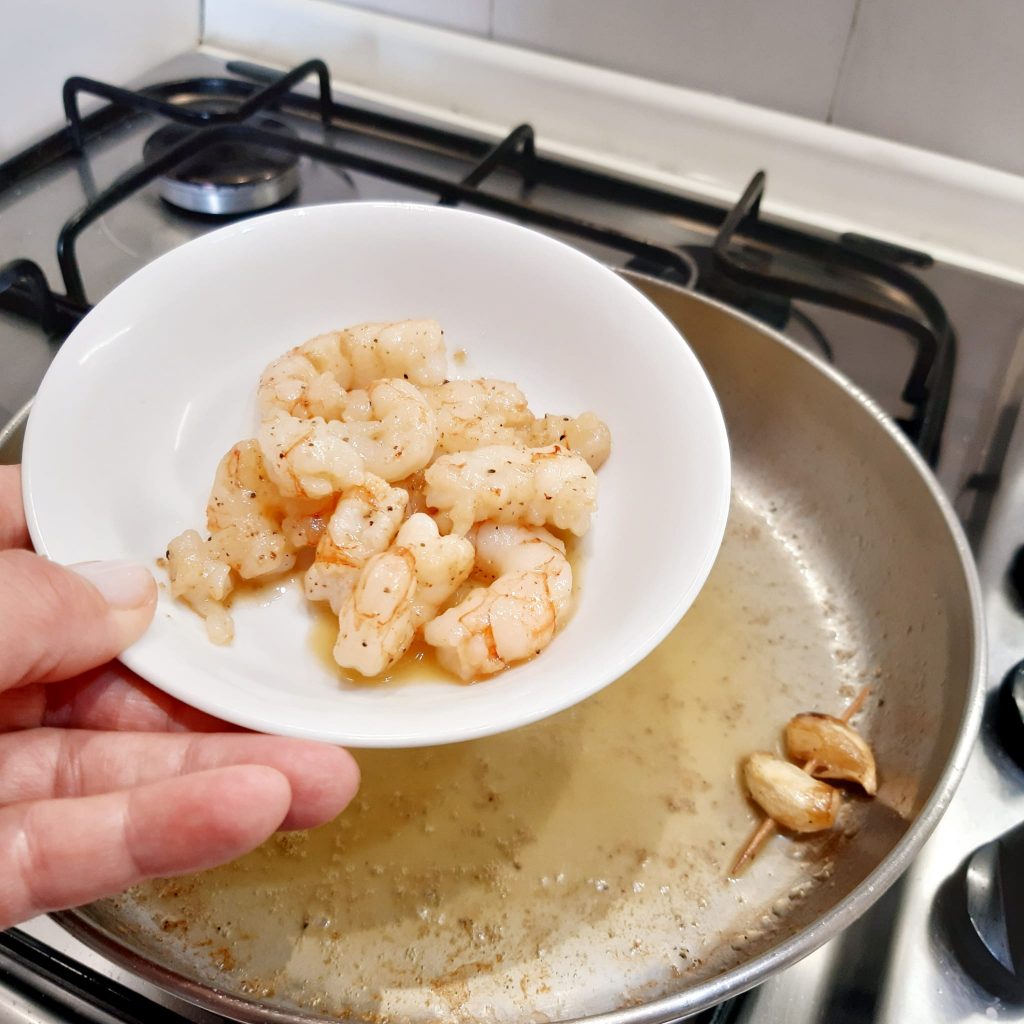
(140,657)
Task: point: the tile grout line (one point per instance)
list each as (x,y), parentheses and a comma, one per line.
(843,62)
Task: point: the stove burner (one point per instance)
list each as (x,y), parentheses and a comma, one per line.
(229,178)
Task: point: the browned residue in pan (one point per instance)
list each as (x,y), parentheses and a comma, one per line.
(557,869)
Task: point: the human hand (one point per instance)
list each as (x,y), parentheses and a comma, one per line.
(104,780)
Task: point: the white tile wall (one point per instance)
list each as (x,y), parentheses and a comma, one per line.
(464,15)
(946,75)
(45,41)
(783,54)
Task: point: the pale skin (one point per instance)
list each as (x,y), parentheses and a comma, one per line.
(104,780)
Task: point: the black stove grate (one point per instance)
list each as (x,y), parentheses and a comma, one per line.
(518,143)
(60,984)
(857,276)
(751,263)
(854,274)
(152,103)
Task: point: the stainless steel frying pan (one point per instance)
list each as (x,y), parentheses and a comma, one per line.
(577,868)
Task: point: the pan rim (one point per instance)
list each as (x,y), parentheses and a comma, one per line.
(739,979)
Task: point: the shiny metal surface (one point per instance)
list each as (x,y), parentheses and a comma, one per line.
(229,178)
(987,312)
(12,435)
(897,963)
(872,523)
(890,966)
(222,199)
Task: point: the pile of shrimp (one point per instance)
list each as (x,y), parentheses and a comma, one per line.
(433,507)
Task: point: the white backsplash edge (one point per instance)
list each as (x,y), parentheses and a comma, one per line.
(697,143)
(46,41)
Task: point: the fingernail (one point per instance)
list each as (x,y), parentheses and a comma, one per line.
(123,584)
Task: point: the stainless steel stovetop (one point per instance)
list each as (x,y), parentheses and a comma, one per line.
(896,964)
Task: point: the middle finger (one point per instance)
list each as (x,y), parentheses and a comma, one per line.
(39,764)
(109,697)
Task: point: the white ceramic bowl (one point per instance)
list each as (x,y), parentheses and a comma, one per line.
(159,381)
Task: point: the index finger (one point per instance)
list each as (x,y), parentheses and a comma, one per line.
(59,853)
(13,528)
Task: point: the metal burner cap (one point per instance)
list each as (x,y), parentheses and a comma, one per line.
(229,177)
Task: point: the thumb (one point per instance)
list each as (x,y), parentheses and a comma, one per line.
(56,622)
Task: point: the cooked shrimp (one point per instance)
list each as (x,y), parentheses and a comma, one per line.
(202,579)
(416,487)
(375,624)
(312,379)
(474,413)
(309,458)
(410,349)
(514,484)
(243,516)
(585,434)
(396,592)
(357,406)
(442,564)
(399,436)
(517,615)
(364,523)
(305,519)
(400,480)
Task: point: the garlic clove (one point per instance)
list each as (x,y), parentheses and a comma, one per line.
(789,795)
(836,749)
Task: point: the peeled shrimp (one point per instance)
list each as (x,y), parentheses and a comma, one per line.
(305,519)
(312,379)
(398,435)
(586,435)
(514,484)
(396,591)
(517,615)
(199,577)
(244,519)
(309,380)
(309,458)
(474,413)
(375,626)
(364,523)
(243,516)
(410,349)
(416,487)
(399,480)
(442,564)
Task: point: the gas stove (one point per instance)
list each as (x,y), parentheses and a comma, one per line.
(937,345)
